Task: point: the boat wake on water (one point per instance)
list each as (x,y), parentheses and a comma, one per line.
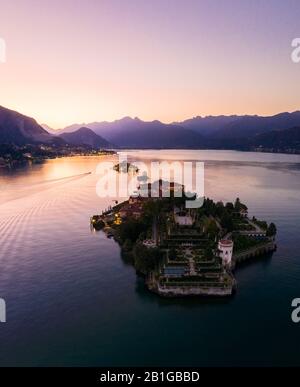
(26,190)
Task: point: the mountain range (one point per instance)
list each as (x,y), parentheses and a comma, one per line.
(85,136)
(213,132)
(19,129)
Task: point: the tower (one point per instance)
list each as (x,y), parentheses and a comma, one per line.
(225,248)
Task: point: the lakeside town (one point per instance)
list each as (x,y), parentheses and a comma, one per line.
(13,156)
(185,252)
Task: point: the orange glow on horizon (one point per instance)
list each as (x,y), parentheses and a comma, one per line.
(142,60)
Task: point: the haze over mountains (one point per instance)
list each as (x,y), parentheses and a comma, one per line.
(135,133)
(213,132)
(19,129)
(225,132)
(85,136)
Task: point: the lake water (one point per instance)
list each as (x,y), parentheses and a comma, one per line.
(72,300)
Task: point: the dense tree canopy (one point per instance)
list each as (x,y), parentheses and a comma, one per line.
(145,259)
(272,230)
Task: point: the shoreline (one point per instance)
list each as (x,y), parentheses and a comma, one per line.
(295,152)
(15,164)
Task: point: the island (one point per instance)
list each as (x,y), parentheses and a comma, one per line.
(125,167)
(186,252)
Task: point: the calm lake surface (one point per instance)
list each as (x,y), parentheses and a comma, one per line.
(72,300)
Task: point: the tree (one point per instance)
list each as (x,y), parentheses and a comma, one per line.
(127,246)
(146,259)
(272,230)
(208,253)
(211,228)
(229,207)
(131,229)
(220,209)
(226,222)
(172,253)
(97,223)
(152,208)
(237,204)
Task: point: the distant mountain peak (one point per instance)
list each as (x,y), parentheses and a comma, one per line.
(84,129)
(18,129)
(87,137)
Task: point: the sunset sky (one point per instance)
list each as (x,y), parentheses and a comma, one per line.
(93,60)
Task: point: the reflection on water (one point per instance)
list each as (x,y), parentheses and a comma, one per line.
(72,300)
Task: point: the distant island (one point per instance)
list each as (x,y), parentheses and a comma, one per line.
(184,252)
(278,134)
(126,167)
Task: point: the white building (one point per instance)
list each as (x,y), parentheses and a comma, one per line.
(150,243)
(183,218)
(225,248)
